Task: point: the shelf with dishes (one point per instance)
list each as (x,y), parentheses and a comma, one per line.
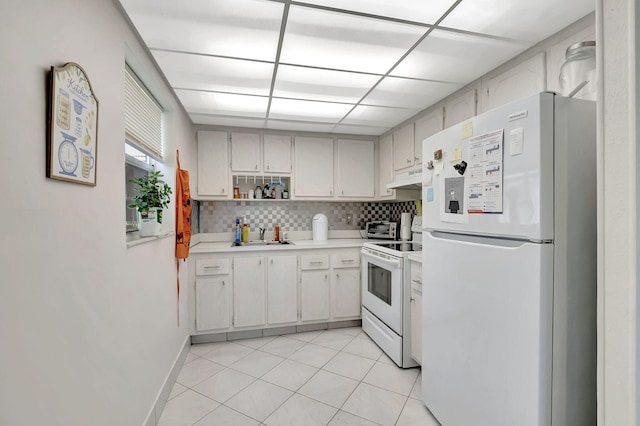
(258,188)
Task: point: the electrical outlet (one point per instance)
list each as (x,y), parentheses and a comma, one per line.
(349,218)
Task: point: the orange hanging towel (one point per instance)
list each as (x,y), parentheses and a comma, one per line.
(183,211)
(183,222)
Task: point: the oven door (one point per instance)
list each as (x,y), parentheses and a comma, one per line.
(382,289)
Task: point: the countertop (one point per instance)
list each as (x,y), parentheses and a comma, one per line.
(226,247)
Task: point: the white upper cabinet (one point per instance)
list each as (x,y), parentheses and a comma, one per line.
(277,154)
(313,167)
(355,163)
(403,148)
(525,79)
(427,126)
(460,108)
(385,167)
(245,152)
(213,164)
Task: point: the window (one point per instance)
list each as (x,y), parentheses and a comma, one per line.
(143,145)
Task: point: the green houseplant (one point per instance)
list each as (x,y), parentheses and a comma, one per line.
(152,195)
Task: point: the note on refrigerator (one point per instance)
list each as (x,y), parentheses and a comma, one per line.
(485,173)
(516,141)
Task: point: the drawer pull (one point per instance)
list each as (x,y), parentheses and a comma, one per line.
(347,260)
(417,281)
(316,263)
(213,267)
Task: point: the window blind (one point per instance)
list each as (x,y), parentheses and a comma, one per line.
(142,118)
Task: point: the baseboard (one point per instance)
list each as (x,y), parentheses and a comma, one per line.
(274,331)
(163,395)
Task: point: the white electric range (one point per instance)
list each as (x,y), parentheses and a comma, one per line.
(386,292)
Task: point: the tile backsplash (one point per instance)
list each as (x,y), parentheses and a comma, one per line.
(220,216)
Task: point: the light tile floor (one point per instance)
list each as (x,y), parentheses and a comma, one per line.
(330,377)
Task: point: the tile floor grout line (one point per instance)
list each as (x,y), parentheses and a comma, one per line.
(305,344)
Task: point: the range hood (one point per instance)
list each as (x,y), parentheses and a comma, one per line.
(409,179)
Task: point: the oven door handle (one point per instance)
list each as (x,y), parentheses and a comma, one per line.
(391,262)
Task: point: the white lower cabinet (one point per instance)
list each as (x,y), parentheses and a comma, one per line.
(416,311)
(345,284)
(249,292)
(213,301)
(282,289)
(345,294)
(255,290)
(314,296)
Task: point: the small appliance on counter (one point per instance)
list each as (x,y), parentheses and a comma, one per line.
(382,230)
(405,226)
(320,226)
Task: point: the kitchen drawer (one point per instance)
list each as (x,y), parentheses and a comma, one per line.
(314,261)
(347,259)
(212,266)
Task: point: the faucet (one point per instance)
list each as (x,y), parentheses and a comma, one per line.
(262,234)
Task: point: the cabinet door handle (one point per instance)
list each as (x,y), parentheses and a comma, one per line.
(338,276)
(223,283)
(417,281)
(223,190)
(342,192)
(267,167)
(272,261)
(213,267)
(331,192)
(415,158)
(260,262)
(411,299)
(325,276)
(255,167)
(408,161)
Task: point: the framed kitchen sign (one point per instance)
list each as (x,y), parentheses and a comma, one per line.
(72,139)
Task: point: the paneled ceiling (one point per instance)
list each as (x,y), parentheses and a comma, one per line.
(341,66)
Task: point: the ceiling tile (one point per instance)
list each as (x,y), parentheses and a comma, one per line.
(289,109)
(197,102)
(378,116)
(522,20)
(333,40)
(322,85)
(456,57)
(188,71)
(410,10)
(258,123)
(409,93)
(239,28)
(360,130)
(299,126)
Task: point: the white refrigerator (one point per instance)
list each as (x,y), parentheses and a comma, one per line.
(509,266)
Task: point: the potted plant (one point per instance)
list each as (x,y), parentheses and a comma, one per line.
(152,196)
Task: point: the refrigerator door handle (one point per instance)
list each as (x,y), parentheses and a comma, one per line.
(483,240)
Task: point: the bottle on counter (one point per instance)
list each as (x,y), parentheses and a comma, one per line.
(245,233)
(276,236)
(237,231)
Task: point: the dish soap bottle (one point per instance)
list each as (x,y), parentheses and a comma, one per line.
(245,233)
(237,230)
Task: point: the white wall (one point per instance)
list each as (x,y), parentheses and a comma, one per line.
(88,327)
(617,213)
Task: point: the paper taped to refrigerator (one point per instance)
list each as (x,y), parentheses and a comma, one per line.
(485,173)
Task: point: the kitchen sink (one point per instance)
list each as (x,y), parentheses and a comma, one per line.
(262,243)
